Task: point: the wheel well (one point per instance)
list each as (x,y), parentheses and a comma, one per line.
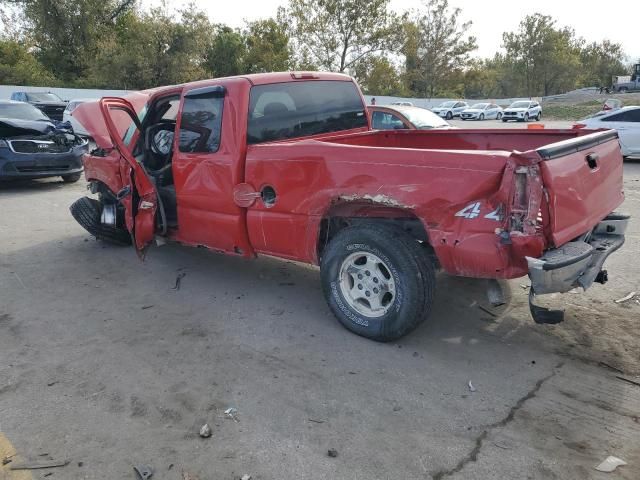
(355,213)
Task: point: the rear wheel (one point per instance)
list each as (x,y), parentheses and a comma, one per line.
(378,281)
(87,213)
(482,116)
(71,178)
(539,116)
(499,116)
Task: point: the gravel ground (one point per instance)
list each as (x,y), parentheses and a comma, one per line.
(102,362)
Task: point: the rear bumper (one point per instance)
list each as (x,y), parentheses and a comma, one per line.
(578,263)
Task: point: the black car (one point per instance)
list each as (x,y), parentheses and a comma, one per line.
(51,104)
(34,146)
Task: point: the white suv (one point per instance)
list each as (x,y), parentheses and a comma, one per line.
(522,111)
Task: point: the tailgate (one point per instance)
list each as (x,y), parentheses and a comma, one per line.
(583,180)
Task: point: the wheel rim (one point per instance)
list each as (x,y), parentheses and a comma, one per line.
(499,116)
(366,284)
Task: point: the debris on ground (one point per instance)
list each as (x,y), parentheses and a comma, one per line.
(245,477)
(610,464)
(626,298)
(40,465)
(471,387)
(525,287)
(7,459)
(179,278)
(397,408)
(143,471)
(188,476)
(147,307)
(205,431)
(231,413)
(502,446)
(332,452)
(276,312)
(316,421)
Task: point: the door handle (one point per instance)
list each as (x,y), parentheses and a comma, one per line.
(592,160)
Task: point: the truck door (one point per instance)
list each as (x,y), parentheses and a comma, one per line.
(139,195)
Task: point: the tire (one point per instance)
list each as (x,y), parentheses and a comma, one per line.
(499,116)
(623,90)
(526,118)
(504,120)
(404,267)
(72,178)
(481,116)
(87,213)
(449,115)
(539,116)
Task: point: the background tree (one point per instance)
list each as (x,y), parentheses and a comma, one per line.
(436,44)
(547,57)
(267,46)
(337,34)
(600,62)
(66,33)
(225,55)
(378,76)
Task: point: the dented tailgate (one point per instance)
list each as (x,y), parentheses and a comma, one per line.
(583,181)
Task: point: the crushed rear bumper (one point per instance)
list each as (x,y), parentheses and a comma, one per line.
(576,264)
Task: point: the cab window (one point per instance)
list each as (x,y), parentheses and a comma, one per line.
(297,109)
(201,123)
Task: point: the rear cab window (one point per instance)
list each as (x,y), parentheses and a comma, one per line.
(287,110)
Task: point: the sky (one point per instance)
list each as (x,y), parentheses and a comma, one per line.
(490,18)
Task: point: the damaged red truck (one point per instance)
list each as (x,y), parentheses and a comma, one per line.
(287,165)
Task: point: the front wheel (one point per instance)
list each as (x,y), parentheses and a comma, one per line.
(539,116)
(378,281)
(482,116)
(499,116)
(526,117)
(449,115)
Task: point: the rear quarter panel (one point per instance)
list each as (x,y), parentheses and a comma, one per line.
(311,177)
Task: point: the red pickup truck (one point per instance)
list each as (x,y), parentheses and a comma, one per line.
(287,165)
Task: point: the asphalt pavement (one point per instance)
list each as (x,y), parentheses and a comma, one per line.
(105,364)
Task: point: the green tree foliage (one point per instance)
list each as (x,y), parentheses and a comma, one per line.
(600,62)
(436,45)
(225,55)
(547,57)
(378,76)
(338,34)
(66,33)
(267,47)
(19,67)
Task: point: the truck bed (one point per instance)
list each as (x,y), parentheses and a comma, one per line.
(460,139)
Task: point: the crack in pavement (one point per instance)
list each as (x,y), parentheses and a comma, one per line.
(473,455)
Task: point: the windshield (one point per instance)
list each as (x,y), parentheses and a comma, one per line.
(519,105)
(298,109)
(423,119)
(480,106)
(447,104)
(43,97)
(21,111)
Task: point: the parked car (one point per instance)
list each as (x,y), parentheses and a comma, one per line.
(402,117)
(32,146)
(450,109)
(403,104)
(522,111)
(625,121)
(68,116)
(50,103)
(286,165)
(482,111)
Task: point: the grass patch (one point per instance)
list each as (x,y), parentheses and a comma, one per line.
(573,112)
